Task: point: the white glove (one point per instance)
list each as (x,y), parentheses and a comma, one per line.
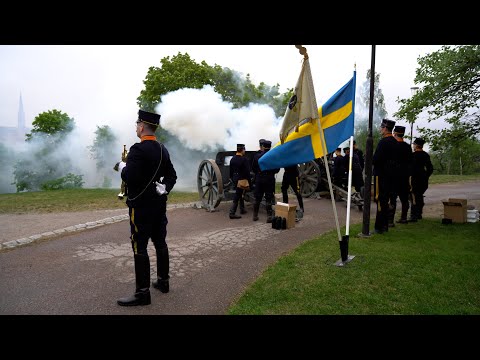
(160,188)
(121,165)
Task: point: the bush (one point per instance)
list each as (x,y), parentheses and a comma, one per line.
(70,181)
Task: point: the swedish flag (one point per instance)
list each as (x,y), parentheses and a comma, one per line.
(337,121)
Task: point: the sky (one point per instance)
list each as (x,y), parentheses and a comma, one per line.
(98,85)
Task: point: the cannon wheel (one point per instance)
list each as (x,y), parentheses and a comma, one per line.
(309,178)
(210,185)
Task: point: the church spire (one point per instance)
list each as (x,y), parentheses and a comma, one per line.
(21,115)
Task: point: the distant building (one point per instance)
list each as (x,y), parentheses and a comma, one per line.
(11,135)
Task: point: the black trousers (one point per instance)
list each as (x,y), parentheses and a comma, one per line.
(148,223)
(383,193)
(294,183)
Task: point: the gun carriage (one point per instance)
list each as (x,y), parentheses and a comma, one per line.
(214,183)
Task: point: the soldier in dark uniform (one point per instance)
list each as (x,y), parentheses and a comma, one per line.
(260,150)
(290,179)
(239,169)
(422,168)
(357,175)
(338,168)
(402,178)
(149,176)
(264,184)
(385,162)
(359,153)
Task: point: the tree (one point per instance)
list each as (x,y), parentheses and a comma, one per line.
(182,72)
(42,162)
(362,106)
(449,82)
(51,122)
(462,159)
(103,152)
(176,73)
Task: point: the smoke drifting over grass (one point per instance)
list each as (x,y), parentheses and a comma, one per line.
(201,124)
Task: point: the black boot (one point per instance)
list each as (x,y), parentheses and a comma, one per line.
(163,266)
(403,216)
(233,210)
(269,212)
(256,207)
(391,215)
(142,280)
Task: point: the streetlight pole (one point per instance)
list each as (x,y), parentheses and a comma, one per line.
(414,90)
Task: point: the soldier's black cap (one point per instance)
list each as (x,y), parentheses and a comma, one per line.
(267,144)
(261,141)
(240,146)
(338,149)
(148,117)
(389,124)
(399,129)
(346,148)
(419,142)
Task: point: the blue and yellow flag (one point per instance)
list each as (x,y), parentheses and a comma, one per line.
(304,145)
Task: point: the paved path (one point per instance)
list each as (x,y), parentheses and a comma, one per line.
(213,259)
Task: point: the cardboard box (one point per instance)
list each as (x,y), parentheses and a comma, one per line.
(286,211)
(455,209)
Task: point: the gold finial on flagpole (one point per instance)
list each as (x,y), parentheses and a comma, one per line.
(302,50)
(355,66)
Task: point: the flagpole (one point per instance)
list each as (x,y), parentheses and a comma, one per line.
(349,185)
(367,190)
(303,51)
(344,243)
(324,149)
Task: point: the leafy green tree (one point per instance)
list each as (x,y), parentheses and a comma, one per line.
(51,122)
(181,71)
(449,82)
(103,152)
(462,159)
(362,106)
(176,73)
(42,162)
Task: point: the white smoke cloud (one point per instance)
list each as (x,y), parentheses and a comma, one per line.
(202,121)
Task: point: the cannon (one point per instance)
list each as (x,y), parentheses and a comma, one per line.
(313,180)
(214,183)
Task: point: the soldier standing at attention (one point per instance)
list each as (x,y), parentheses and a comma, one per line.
(239,169)
(150,176)
(422,168)
(359,153)
(385,162)
(290,179)
(403,177)
(338,168)
(357,175)
(264,185)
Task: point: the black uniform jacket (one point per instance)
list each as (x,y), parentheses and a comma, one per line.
(291,172)
(239,168)
(385,158)
(142,161)
(422,168)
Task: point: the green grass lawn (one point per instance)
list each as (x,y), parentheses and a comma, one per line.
(104,199)
(74,200)
(424,268)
